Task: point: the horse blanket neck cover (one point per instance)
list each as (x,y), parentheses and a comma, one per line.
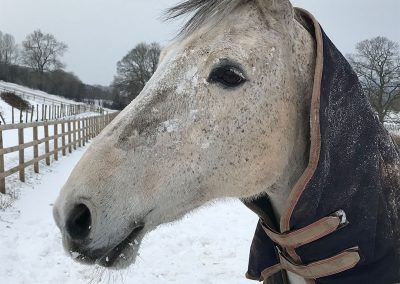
(341,224)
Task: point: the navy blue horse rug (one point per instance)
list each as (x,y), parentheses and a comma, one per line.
(341,225)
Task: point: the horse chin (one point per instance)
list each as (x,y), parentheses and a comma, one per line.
(116,258)
(125,253)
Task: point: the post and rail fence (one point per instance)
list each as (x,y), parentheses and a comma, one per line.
(49,109)
(70,133)
(48,112)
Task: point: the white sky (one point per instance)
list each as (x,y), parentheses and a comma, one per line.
(101,32)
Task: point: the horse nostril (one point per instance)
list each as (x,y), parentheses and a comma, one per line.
(79,222)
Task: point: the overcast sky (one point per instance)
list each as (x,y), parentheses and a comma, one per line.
(101,32)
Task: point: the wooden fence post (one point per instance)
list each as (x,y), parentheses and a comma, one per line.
(69,138)
(74,134)
(63,138)
(21,154)
(88,129)
(32,111)
(56,142)
(47,144)
(3,180)
(83,132)
(2,118)
(35,149)
(98,125)
(93,128)
(79,133)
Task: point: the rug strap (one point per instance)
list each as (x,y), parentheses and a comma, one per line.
(308,234)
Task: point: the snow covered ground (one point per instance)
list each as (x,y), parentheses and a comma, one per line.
(10,137)
(393,123)
(208,246)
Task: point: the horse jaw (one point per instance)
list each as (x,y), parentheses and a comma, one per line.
(185,141)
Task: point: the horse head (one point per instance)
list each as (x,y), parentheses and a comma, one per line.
(224,115)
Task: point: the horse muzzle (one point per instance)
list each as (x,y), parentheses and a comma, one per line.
(81,241)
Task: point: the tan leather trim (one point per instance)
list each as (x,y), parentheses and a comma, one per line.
(330,266)
(267,273)
(308,234)
(314,130)
(251,277)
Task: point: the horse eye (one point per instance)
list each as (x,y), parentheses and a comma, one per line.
(228,76)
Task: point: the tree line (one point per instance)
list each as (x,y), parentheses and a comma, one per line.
(36,63)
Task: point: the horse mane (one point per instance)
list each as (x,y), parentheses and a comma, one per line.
(202,11)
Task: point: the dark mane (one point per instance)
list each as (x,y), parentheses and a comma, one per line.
(202,11)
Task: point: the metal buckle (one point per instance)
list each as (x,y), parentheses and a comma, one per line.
(343,218)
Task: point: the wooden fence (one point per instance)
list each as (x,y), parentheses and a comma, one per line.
(49,109)
(49,112)
(72,133)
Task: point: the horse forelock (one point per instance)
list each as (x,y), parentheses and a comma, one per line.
(202,12)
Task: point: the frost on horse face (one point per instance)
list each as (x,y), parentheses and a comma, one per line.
(227,114)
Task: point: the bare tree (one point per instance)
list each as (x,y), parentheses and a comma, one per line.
(8,49)
(377,63)
(42,52)
(8,56)
(136,68)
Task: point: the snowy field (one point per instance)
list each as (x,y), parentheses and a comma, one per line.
(208,246)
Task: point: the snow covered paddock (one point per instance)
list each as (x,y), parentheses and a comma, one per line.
(208,246)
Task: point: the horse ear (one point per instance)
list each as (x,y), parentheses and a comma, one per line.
(281,10)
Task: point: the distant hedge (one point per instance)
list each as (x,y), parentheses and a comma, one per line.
(57,82)
(15,101)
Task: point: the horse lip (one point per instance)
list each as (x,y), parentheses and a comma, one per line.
(108,259)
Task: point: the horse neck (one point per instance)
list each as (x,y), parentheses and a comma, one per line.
(304,52)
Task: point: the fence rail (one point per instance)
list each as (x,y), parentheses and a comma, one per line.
(49,112)
(72,133)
